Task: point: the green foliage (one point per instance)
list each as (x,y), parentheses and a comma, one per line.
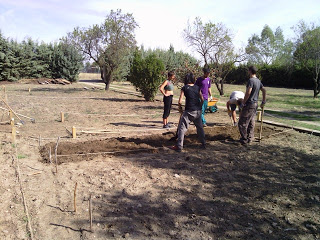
(146,74)
(269,48)
(66,61)
(307,52)
(179,62)
(273,75)
(28,59)
(108,44)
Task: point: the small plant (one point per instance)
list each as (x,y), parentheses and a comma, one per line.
(21,156)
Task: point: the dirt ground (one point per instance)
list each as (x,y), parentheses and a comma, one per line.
(139,188)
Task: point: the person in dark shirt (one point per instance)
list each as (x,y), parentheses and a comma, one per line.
(250,104)
(192,112)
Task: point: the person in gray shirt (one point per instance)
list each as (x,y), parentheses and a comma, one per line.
(250,104)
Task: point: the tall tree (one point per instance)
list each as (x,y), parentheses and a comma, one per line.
(213,41)
(268,48)
(107,44)
(308,51)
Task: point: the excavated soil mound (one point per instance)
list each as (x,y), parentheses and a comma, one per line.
(73,152)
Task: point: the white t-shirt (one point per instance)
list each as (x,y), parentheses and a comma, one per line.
(236,95)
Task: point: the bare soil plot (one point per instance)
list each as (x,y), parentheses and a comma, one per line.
(268,190)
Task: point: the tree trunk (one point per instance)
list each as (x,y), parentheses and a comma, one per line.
(106,77)
(316,89)
(220,89)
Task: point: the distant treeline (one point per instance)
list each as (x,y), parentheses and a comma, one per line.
(274,76)
(30,59)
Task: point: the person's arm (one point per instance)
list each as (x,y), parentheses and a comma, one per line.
(228,106)
(210,93)
(201,97)
(264,95)
(247,95)
(180,101)
(162,87)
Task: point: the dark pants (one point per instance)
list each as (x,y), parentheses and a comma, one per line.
(167,106)
(186,118)
(247,121)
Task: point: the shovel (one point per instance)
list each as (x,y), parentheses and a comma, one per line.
(260,132)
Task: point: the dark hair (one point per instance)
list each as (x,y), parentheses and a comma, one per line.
(253,69)
(170,74)
(189,78)
(206,70)
(239,101)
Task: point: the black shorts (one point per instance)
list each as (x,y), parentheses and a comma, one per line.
(233,107)
(167,106)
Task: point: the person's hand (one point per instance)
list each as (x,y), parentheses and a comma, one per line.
(180,108)
(262,104)
(210,99)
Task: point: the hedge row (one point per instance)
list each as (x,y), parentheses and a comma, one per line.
(274,76)
(29,59)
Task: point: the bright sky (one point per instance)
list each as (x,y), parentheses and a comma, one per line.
(161,21)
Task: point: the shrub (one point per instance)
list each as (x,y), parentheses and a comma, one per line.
(146,74)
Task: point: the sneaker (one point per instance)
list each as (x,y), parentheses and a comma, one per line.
(175,148)
(166,126)
(235,124)
(205,125)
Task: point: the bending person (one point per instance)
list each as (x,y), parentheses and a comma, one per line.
(236,99)
(192,112)
(166,89)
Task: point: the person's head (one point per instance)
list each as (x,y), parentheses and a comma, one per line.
(206,72)
(171,75)
(189,79)
(239,101)
(252,70)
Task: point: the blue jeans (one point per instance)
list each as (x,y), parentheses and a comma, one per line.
(204,108)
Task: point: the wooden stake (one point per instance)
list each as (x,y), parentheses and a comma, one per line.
(62,116)
(13,131)
(75,197)
(259,116)
(50,155)
(74,132)
(90,212)
(5,93)
(10,114)
(55,154)
(29,90)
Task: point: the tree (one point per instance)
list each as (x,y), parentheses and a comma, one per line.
(269,48)
(308,52)
(66,61)
(213,41)
(146,74)
(107,44)
(179,62)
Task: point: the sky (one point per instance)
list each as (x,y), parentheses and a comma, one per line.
(161,22)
